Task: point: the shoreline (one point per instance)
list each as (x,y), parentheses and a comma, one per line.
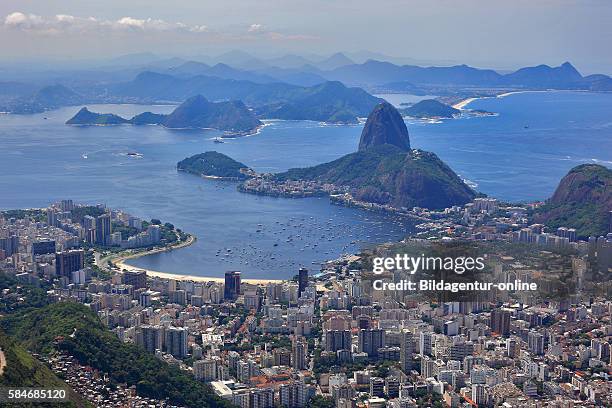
(464,102)
(120,263)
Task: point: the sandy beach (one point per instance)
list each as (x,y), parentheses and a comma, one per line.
(464,103)
(119,262)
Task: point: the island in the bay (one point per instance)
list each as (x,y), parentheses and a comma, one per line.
(195,113)
(384,171)
(430,108)
(215,165)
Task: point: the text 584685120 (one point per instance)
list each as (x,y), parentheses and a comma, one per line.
(8,394)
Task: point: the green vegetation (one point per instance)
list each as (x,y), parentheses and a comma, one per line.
(35,214)
(125,230)
(319,401)
(385,174)
(78,213)
(76,329)
(19,297)
(213,164)
(583,200)
(23,370)
(328,363)
(429,400)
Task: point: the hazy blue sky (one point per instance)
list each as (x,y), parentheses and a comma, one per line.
(502,34)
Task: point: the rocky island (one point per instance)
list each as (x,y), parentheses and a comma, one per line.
(215,165)
(87,117)
(385,171)
(430,108)
(232,117)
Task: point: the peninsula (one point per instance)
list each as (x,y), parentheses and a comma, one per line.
(385,171)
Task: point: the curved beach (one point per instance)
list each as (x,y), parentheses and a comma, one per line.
(120,263)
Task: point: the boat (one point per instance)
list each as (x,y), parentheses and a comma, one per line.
(218,140)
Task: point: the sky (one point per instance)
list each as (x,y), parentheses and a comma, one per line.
(497,34)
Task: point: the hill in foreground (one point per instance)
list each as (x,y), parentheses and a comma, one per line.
(23,370)
(582,200)
(50,327)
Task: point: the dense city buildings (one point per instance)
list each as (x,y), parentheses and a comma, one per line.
(331,338)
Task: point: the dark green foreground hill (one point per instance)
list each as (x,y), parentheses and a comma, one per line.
(582,200)
(94,345)
(23,370)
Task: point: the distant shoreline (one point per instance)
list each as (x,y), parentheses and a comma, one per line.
(464,102)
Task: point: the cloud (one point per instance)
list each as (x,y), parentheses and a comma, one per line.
(69,24)
(259,31)
(254,28)
(23,21)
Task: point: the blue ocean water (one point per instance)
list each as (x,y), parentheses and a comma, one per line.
(519,155)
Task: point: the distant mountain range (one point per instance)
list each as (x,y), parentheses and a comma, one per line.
(287,91)
(327,102)
(582,200)
(195,112)
(390,76)
(224,71)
